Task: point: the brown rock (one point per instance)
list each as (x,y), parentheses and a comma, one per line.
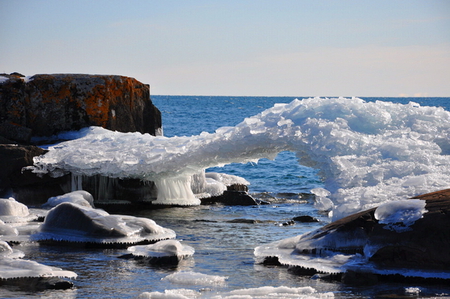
(48,104)
(425,246)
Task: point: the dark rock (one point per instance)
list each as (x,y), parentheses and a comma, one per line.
(305,218)
(25,186)
(49,104)
(288,223)
(235,195)
(425,246)
(235,198)
(359,279)
(34,284)
(158,261)
(15,132)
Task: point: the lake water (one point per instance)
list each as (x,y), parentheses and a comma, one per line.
(223,237)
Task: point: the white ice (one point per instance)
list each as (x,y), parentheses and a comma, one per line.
(265,292)
(13,267)
(400,215)
(195,278)
(163,248)
(74,223)
(79,197)
(12,211)
(368,153)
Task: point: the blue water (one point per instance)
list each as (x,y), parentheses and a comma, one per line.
(223,237)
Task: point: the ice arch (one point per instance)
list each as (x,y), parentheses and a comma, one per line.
(367,152)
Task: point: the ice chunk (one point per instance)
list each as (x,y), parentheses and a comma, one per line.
(12,267)
(163,248)
(171,294)
(6,229)
(195,278)
(12,211)
(18,268)
(401,214)
(80,197)
(70,222)
(265,292)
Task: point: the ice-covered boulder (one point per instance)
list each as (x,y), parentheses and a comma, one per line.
(29,274)
(72,223)
(12,211)
(79,197)
(407,237)
(163,252)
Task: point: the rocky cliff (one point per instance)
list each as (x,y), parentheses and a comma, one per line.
(43,105)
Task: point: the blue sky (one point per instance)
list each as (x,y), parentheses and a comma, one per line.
(237,47)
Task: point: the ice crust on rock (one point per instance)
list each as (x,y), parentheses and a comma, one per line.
(401,214)
(163,248)
(79,197)
(12,211)
(74,223)
(13,267)
(368,153)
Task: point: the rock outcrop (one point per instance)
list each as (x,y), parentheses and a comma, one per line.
(44,105)
(376,248)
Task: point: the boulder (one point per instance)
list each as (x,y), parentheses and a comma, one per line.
(424,245)
(403,240)
(49,104)
(45,105)
(24,185)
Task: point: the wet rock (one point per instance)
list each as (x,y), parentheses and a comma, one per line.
(426,245)
(305,218)
(358,278)
(34,284)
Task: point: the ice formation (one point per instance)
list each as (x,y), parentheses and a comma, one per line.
(69,222)
(13,267)
(79,197)
(400,215)
(367,152)
(8,230)
(165,248)
(12,211)
(265,292)
(195,278)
